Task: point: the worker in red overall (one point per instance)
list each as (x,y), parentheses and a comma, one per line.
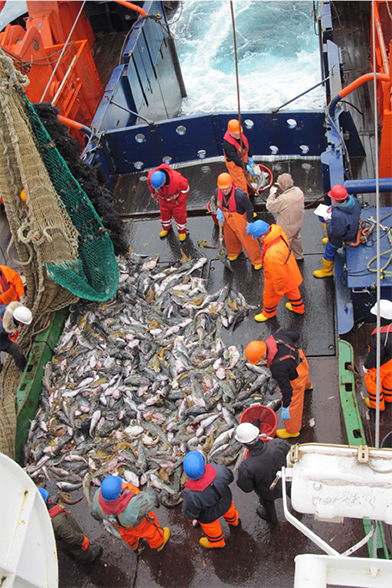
(235,211)
(171,190)
(281,273)
(289,367)
(11,286)
(238,155)
(129,511)
(369,367)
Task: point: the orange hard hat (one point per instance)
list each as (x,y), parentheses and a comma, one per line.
(23,195)
(224,181)
(254,351)
(234,126)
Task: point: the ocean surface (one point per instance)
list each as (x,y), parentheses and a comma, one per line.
(277,48)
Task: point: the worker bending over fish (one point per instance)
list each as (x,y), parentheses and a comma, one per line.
(258,469)
(12,316)
(238,155)
(281,273)
(289,367)
(370,365)
(129,510)
(235,211)
(171,190)
(208,497)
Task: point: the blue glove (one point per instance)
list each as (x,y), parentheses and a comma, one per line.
(220,216)
(286,413)
(250,161)
(248,226)
(250,170)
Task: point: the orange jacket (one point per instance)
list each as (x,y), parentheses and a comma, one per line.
(280,267)
(11,286)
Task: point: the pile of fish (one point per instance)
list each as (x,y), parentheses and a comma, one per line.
(138,381)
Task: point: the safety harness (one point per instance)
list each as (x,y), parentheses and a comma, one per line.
(272,347)
(242,150)
(228,205)
(116,507)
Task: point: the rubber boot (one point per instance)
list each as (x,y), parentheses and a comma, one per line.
(283,434)
(258,266)
(182,236)
(166,535)
(163,233)
(326,271)
(325,240)
(96,552)
(205,543)
(260,318)
(233,257)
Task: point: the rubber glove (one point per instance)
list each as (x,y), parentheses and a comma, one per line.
(365,369)
(85,543)
(250,170)
(248,227)
(220,216)
(273,190)
(286,413)
(250,161)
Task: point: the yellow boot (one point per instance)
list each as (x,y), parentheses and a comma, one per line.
(233,257)
(325,240)
(326,271)
(260,318)
(163,233)
(205,543)
(283,434)
(166,535)
(182,236)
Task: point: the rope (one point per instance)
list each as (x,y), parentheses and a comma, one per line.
(383,273)
(236,76)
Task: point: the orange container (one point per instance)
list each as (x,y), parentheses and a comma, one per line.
(266,416)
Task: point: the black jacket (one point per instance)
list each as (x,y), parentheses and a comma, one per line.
(258,471)
(212,500)
(285,370)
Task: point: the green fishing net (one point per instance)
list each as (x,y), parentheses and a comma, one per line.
(94,274)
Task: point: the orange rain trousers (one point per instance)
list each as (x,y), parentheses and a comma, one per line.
(271,299)
(213,530)
(234,230)
(385,384)
(237,174)
(299,385)
(150,531)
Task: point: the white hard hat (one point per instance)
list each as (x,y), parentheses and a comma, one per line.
(22,315)
(385,309)
(247,433)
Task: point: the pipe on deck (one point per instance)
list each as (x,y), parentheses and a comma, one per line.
(368,185)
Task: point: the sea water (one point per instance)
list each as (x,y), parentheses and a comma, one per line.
(277,49)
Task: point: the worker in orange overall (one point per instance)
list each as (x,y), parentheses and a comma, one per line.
(129,511)
(369,367)
(238,155)
(235,211)
(171,190)
(289,367)
(208,497)
(281,273)
(11,286)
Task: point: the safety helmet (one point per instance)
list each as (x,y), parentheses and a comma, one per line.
(385,309)
(224,181)
(254,351)
(258,228)
(194,465)
(247,433)
(234,126)
(44,493)
(22,314)
(111,488)
(157,179)
(338,192)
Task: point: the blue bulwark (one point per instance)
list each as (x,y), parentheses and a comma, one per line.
(344,305)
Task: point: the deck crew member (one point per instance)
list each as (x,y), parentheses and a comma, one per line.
(69,536)
(208,497)
(369,367)
(11,285)
(129,511)
(342,226)
(281,273)
(289,367)
(238,155)
(235,211)
(171,190)
(258,470)
(12,316)
(289,205)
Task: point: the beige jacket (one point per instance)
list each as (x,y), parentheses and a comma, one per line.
(289,209)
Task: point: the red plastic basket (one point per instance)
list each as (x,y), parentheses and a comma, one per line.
(266,416)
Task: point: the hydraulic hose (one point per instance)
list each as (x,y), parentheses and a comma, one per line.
(353,86)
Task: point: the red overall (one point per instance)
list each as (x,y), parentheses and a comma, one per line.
(281,273)
(238,173)
(172,198)
(234,229)
(385,378)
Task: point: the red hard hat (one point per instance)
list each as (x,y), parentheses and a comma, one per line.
(254,351)
(338,192)
(234,126)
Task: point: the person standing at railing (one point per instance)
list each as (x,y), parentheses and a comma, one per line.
(171,190)
(238,155)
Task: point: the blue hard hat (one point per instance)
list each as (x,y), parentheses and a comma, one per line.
(194,465)
(111,488)
(258,228)
(157,179)
(44,493)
